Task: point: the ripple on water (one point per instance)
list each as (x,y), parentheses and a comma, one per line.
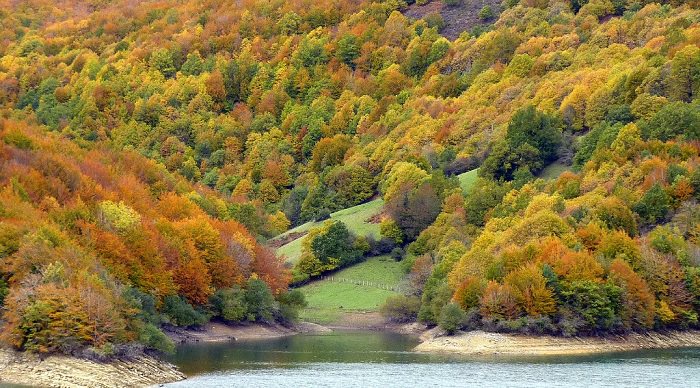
(358,359)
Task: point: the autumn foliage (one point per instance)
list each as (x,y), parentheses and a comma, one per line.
(81,226)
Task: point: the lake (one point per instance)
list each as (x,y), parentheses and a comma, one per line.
(377,359)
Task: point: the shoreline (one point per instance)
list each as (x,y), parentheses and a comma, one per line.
(481,343)
(222,332)
(22,368)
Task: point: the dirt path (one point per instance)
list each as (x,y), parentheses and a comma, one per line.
(483,343)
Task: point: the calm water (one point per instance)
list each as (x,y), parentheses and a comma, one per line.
(371,359)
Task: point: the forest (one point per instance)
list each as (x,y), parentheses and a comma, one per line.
(151,150)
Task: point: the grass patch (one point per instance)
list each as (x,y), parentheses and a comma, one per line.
(467,180)
(354,218)
(554,170)
(328,300)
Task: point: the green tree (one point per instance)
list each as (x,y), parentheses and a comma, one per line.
(153,338)
(616,215)
(598,305)
(290,303)
(654,205)
(334,241)
(289,23)
(182,313)
(486,13)
(162,60)
(413,209)
(684,80)
(531,141)
(484,196)
(259,301)
(674,119)
(193,65)
(348,50)
(451,318)
(389,229)
(400,308)
(229,304)
(350,185)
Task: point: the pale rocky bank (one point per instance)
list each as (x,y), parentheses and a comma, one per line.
(221,332)
(62,371)
(483,343)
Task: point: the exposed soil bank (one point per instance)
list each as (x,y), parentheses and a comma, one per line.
(221,332)
(357,320)
(63,371)
(483,343)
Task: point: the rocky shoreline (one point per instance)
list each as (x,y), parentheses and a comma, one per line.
(221,332)
(23,368)
(477,343)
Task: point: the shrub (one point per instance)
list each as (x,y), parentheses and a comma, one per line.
(461,165)
(100,354)
(155,339)
(182,313)
(435,296)
(390,230)
(472,320)
(229,304)
(597,305)
(289,305)
(397,253)
(18,139)
(570,324)
(510,325)
(435,20)
(381,247)
(538,325)
(401,308)
(452,318)
(145,303)
(4,290)
(486,13)
(260,302)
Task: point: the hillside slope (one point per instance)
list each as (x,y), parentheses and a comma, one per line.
(360,220)
(98,247)
(148,148)
(352,292)
(463,16)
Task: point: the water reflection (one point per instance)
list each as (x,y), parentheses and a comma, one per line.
(367,359)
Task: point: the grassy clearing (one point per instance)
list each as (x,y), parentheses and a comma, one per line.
(554,170)
(328,300)
(467,180)
(354,218)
